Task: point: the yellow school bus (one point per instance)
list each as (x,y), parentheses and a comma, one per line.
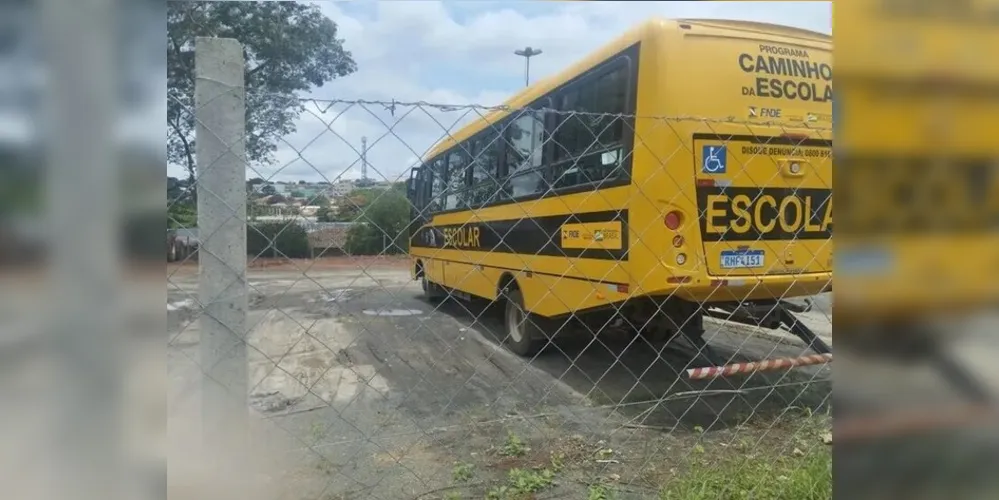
(683,169)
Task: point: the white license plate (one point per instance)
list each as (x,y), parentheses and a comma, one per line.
(742,259)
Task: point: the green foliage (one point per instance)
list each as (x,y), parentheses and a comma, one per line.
(290,240)
(182,211)
(462,472)
(514,446)
(352,206)
(289,48)
(599,491)
(326,214)
(780,478)
(321,201)
(182,215)
(521,482)
(385,222)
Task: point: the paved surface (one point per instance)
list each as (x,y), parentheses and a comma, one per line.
(382,392)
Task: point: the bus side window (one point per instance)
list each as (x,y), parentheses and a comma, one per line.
(589,139)
(524,154)
(485,169)
(457,164)
(571,130)
(437,184)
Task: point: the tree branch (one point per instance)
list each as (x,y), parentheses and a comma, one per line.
(254,71)
(175,125)
(180,59)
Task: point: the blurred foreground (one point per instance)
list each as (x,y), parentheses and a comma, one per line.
(83,370)
(917,244)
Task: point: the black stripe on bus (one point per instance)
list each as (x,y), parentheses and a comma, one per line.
(536,273)
(527,236)
(770,140)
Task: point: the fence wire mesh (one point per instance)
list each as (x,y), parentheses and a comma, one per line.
(377,366)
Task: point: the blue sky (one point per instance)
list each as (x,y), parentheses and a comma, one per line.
(460,53)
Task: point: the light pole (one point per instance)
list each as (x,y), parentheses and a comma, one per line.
(527,53)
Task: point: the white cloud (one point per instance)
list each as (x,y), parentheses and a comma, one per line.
(459,54)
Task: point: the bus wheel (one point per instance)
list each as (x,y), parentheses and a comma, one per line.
(523,336)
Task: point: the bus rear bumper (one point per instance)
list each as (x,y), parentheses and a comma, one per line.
(744,288)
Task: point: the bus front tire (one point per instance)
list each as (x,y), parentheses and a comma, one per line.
(523,336)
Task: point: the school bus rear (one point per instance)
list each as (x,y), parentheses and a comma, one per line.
(752,169)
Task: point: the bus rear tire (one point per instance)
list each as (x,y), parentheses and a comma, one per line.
(523,337)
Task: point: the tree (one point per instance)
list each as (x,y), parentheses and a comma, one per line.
(288,48)
(382,227)
(321,201)
(297,194)
(182,211)
(175,189)
(325,214)
(268,190)
(352,205)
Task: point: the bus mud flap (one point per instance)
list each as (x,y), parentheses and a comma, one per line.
(798,329)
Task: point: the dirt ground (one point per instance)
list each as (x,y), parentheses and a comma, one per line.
(368,391)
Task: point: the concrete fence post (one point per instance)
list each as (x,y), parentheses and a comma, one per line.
(221,191)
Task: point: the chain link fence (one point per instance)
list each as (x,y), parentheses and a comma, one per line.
(360,384)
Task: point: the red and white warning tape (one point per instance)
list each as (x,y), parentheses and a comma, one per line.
(758,366)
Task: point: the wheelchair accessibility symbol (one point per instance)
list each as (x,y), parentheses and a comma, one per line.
(713,159)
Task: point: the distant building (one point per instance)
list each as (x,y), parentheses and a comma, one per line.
(312,190)
(341,188)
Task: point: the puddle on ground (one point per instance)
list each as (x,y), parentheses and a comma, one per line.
(392,312)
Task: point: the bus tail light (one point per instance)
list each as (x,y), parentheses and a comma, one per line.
(677,241)
(673,220)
